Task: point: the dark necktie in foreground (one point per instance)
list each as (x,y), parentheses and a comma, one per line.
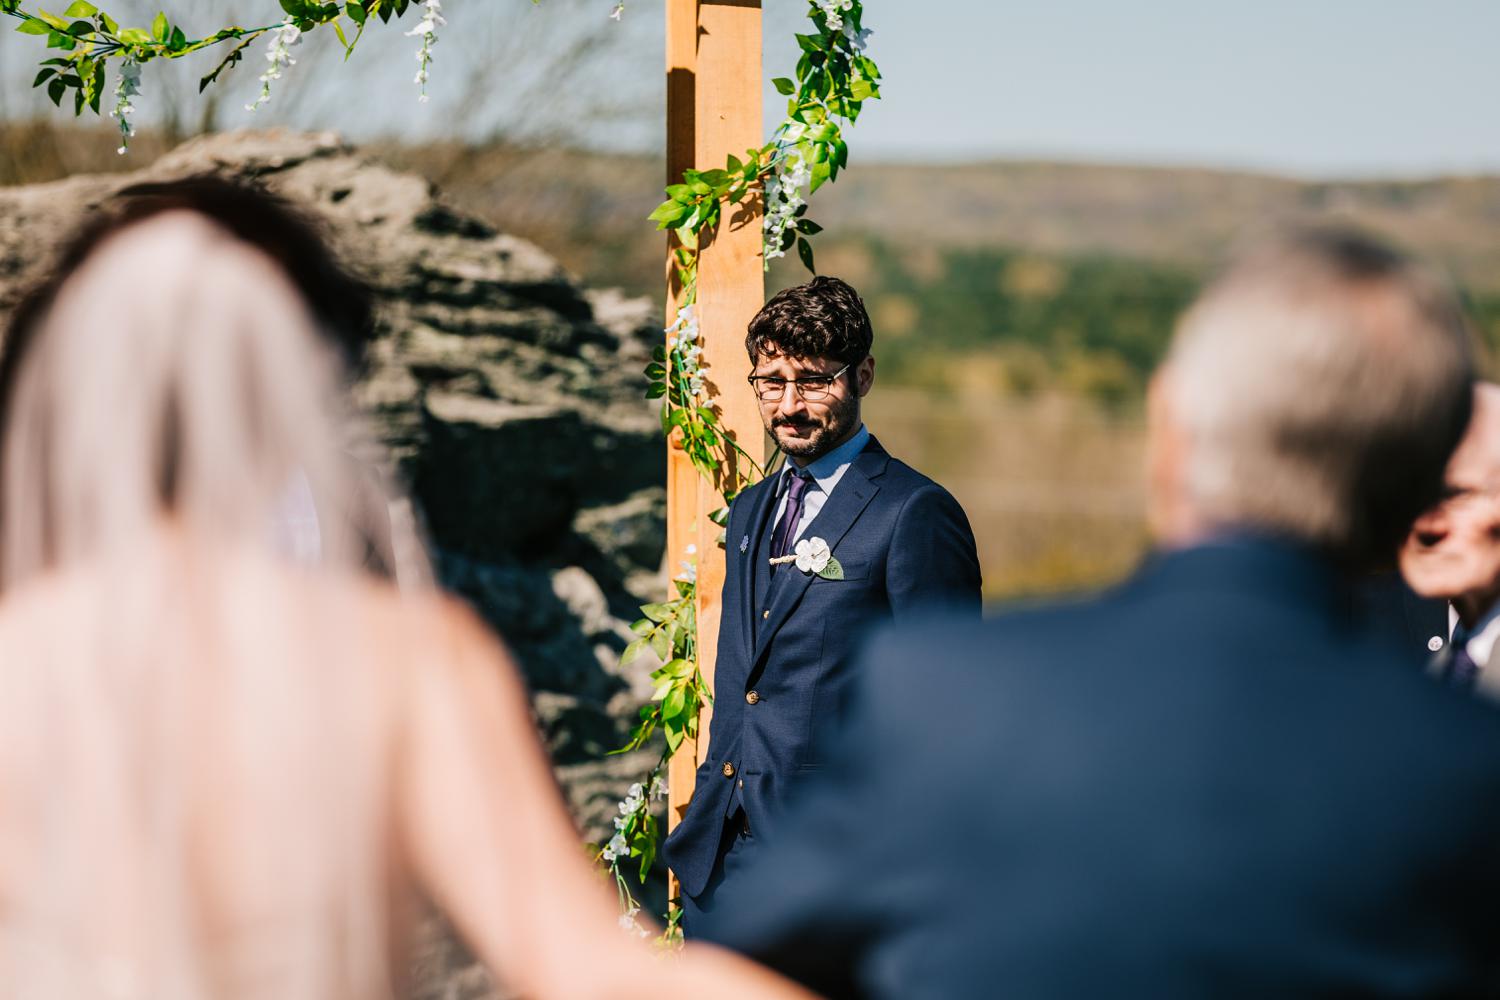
(1462,671)
(786,528)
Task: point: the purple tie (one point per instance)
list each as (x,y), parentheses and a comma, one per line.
(1463,672)
(786,528)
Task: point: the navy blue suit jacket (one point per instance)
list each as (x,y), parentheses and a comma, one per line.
(1208,783)
(904,543)
(1394,610)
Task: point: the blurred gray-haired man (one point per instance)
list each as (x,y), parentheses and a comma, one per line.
(1207,782)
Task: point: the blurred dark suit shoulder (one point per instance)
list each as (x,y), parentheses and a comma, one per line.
(1208,782)
(1392,610)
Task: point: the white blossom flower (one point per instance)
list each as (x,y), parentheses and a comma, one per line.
(686,323)
(278,54)
(812,555)
(627,919)
(833,11)
(614,15)
(784,196)
(689,572)
(426,29)
(658,787)
(616,848)
(128,86)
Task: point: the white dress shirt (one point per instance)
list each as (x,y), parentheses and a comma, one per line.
(826,473)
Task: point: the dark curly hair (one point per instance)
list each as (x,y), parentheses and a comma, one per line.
(824,318)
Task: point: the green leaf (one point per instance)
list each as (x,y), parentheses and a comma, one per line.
(177,41)
(673,706)
(784,86)
(160,27)
(656,390)
(820,172)
(808,227)
(656,612)
(632,651)
(33,26)
(80,8)
(135,36)
(805,251)
(661,646)
(55,90)
(811,44)
(356,12)
(42,76)
(832,571)
(862,90)
(668,214)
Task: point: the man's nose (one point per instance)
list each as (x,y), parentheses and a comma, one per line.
(791,403)
(1431,526)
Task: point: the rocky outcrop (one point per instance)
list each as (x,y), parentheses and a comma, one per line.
(510,400)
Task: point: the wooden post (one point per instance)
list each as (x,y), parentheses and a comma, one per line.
(713,111)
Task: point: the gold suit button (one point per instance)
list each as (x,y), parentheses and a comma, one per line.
(728,769)
(765,614)
(752,696)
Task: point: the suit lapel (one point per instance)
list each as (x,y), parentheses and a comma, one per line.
(849,499)
(759,514)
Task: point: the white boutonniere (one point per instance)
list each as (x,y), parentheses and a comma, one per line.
(812,555)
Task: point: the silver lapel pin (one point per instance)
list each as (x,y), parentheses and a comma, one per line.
(744,544)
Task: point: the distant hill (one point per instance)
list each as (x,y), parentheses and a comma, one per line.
(591,207)
(1006,276)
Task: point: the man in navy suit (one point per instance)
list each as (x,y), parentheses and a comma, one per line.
(1451,559)
(1209,782)
(843,537)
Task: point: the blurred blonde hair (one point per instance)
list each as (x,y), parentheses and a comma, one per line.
(191,750)
(1320,385)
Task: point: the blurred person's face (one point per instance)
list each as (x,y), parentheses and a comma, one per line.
(1169,515)
(1453,551)
(817,414)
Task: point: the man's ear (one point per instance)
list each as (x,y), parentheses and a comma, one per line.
(864,375)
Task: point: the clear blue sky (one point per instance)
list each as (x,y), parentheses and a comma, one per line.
(1309,87)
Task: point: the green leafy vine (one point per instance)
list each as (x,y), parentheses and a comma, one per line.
(88,37)
(833,80)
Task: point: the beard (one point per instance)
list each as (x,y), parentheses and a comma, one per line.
(811,438)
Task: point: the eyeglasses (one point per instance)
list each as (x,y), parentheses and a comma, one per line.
(812,388)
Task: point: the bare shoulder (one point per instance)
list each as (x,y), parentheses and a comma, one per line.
(439,641)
